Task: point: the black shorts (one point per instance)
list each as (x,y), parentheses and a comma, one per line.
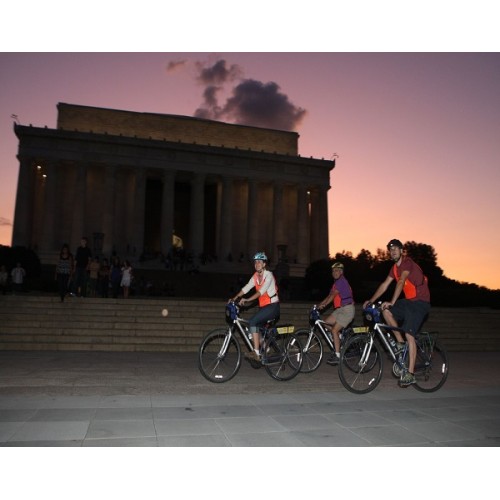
(410,314)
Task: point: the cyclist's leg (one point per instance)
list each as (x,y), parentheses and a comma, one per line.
(259,319)
(335,329)
(391,318)
(343,317)
(412,313)
(339,319)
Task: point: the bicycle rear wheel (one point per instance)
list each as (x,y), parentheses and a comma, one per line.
(219,358)
(431,365)
(313,353)
(283,357)
(359,371)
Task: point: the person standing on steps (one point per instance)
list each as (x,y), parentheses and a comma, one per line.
(83,257)
(64,268)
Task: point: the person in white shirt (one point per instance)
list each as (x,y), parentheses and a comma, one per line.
(18,274)
(266,291)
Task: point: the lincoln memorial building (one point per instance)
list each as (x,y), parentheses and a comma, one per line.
(138,183)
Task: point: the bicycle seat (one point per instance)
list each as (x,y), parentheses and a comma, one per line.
(271,322)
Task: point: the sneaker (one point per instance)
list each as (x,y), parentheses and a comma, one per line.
(399,347)
(333,359)
(252,355)
(408,379)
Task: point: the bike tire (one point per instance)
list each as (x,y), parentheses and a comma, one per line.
(286,353)
(431,365)
(213,366)
(351,356)
(354,377)
(312,355)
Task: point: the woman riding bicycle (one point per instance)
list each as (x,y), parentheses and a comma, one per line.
(266,291)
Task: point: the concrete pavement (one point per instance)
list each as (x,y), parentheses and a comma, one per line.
(161,399)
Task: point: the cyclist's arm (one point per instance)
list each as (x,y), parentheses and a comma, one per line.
(399,287)
(328,300)
(244,290)
(380,290)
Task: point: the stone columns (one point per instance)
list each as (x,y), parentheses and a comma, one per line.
(303,237)
(252,220)
(23,216)
(49,216)
(79,202)
(197,215)
(319,224)
(278,221)
(167,211)
(138,217)
(108,216)
(226,234)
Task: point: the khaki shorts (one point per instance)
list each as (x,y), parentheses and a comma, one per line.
(344,315)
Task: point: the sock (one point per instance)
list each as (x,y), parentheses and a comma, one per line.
(256,351)
(337,354)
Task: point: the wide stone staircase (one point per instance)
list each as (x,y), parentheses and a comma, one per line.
(41,322)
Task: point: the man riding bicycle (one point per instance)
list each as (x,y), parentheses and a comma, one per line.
(412,310)
(343,304)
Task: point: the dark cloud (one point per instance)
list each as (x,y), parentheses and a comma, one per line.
(251,102)
(262,105)
(218,74)
(5,222)
(173,66)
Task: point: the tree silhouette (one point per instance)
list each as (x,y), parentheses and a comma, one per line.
(366,271)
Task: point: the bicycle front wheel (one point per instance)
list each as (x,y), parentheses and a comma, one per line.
(283,357)
(431,365)
(360,367)
(312,350)
(219,357)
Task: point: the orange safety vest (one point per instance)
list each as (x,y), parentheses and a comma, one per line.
(409,289)
(265,299)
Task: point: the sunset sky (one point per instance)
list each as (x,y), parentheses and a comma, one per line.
(417,135)
(406,94)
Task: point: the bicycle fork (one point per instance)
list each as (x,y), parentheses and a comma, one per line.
(225,344)
(367,349)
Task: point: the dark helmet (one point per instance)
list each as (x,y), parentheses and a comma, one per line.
(260,256)
(394,243)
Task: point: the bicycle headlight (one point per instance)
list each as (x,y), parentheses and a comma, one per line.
(313,316)
(372,314)
(231,312)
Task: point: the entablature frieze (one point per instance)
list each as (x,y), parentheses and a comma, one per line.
(70,147)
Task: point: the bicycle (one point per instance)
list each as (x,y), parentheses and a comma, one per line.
(219,354)
(361,362)
(312,340)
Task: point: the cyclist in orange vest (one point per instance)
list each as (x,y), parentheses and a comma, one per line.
(343,303)
(266,291)
(410,311)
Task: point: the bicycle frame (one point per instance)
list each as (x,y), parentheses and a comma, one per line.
(219,354)
(240,325)
(383,330)
(361,364)
(325,330)
(322,327)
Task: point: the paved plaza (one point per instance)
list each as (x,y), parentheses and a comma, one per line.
(104,399)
